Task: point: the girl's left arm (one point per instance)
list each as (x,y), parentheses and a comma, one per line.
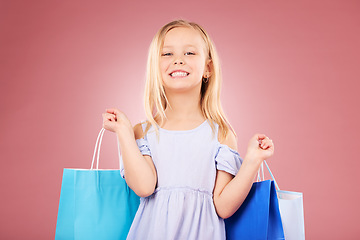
(230,191)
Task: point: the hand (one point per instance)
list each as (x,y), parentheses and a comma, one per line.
(260,147)
(116,121)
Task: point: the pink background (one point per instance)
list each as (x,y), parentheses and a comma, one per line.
(290,68)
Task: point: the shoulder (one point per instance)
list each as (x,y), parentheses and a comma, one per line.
(138,131)
(229,139)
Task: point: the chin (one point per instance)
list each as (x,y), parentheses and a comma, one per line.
(182,88)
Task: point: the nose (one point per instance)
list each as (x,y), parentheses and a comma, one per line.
(178,61)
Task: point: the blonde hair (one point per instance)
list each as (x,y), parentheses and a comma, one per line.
(155,97)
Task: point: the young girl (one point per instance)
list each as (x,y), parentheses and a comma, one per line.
(183,160)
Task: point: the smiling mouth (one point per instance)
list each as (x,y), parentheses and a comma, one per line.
(179,74)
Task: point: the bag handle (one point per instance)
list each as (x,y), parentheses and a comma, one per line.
(261,171)
(97,149)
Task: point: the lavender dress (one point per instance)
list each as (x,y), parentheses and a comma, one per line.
(182,205)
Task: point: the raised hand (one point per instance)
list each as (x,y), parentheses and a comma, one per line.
(116,121)
(260,147)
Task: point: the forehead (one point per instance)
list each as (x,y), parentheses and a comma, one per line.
(183,36)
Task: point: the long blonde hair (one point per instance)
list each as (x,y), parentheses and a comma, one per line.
(155,97)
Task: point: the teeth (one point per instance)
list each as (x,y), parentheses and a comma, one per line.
(179,74)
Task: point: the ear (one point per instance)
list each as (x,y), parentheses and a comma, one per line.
(208,68)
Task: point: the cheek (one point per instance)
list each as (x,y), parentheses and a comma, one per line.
(164,66)
(200,66)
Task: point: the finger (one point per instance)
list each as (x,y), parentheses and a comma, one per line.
(109,117)
(269,148)
(267,143)
(264,146)
(116,112)
(261,136)
(112,110)
(108,123)
(264,142)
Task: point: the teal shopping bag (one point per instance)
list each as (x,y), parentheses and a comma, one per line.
(95,204)
(258,218)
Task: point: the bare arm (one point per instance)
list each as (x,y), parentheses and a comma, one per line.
(140,173)
(230,192)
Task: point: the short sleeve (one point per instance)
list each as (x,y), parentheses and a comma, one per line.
(227,159)
(143,146)
(144,149)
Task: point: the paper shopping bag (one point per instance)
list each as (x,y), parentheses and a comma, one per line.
(258,218)
(95,204)
(292,214)
(291,211)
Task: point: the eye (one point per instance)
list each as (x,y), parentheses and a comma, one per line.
(166,54)
(189,53)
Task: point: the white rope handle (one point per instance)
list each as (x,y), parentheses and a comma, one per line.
(97,149)
(261,173)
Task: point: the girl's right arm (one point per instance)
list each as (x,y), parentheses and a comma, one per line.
(230,191)
(140,173)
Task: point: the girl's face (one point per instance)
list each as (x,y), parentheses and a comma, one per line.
(183,62)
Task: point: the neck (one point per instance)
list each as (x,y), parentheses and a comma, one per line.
(184,106)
